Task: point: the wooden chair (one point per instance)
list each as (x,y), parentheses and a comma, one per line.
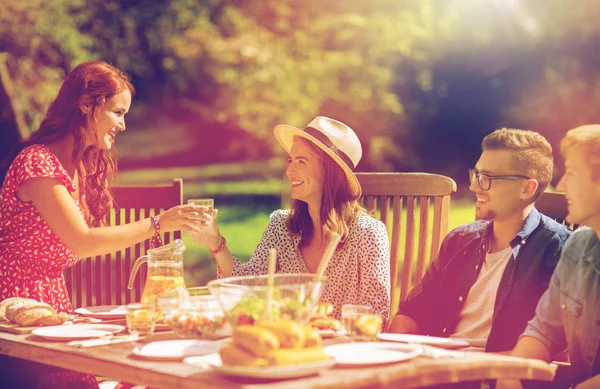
(397,198)
(102,280)
(554,205)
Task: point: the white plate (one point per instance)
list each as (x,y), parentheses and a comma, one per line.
(371,353)
(77,331)
(264,372)
(449,343)
(178,349)
(103,311)
(330,333)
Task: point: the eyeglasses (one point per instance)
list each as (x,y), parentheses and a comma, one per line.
(485,180)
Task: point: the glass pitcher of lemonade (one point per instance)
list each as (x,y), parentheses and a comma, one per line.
(165,272)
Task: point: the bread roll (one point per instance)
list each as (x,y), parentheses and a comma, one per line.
(323,309)
(28,312)
(53,320)
(10,301)
(256,340)
(311,338)
(289,333)
(231,355)
(326,323)
(29,316)
(12,309)
(287,356)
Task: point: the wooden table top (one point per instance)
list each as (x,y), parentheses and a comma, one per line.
(117,362)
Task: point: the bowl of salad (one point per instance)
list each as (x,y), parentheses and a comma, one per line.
(199,316)
(244,299)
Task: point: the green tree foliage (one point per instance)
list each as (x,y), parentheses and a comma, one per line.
(42,40)
(235,68)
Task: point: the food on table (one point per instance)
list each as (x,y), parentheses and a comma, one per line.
(259,340)
(288,356)
(251,309)
(289,333)
(311,338)
(232,355)
(244,299)
(199,324)
(272,344)
(323,309)
(198,315)
(10,301)
(321,320)
(29,312)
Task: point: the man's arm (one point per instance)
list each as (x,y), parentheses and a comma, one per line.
(591,383)
(415,313)
(528,347)
(403,324)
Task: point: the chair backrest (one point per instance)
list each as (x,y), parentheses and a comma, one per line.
(102,280)
(554,205)
(396,199)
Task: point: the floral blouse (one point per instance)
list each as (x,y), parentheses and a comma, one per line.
(358,273)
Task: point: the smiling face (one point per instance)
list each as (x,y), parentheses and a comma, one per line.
(110,120)
(504,198)
(305,172)
(581,189)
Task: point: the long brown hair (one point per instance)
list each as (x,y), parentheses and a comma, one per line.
(89,84)
(339,207)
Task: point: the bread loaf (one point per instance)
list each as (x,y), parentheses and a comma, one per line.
(10,301)
(28,312)
(12,309)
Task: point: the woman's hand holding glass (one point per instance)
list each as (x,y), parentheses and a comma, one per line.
(207,234)
(184,217)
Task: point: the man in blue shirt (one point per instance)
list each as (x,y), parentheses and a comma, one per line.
(489,275)
(568,314)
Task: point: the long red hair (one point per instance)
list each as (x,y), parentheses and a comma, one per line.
(89,84)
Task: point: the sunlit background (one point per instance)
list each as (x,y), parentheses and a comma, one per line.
(420,81)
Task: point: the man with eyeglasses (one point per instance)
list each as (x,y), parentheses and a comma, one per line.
(489,275)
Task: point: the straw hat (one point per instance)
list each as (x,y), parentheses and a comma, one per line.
(334,138)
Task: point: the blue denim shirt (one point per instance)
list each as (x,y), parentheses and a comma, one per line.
(435,303)
(568,314)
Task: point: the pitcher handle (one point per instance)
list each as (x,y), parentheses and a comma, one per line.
(136,266)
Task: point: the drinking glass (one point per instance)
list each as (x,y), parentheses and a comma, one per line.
(208,203)
(359,322)
(140,318)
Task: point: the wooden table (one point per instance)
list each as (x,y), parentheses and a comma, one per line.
(116,361)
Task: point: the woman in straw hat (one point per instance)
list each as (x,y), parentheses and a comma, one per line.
(324,192)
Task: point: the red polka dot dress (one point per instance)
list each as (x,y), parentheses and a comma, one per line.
(32,257)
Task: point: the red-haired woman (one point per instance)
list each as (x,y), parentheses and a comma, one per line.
(56,195)
(324,192)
